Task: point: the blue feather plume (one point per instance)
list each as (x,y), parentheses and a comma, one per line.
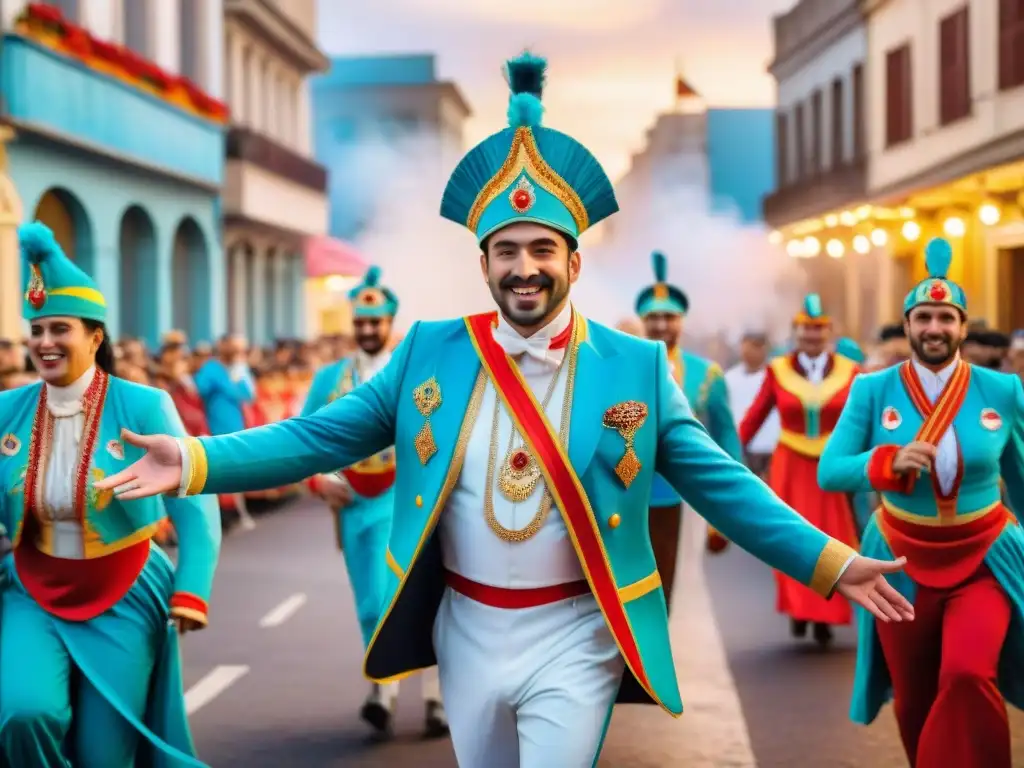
(524,109)
(526,74)
(938,255)
(812,305)
(660,266)
(37,242)
(372,277)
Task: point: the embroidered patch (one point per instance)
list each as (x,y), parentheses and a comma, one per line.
(115,449)
(427,397)
(10,445)
(100,499)
(990,419)
(891,418)
(626,419)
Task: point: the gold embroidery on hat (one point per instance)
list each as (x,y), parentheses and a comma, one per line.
(525,156)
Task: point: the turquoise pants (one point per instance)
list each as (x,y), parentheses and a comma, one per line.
(104,693)
(365,528)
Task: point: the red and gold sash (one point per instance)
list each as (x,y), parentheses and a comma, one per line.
(938,417)
(562,482)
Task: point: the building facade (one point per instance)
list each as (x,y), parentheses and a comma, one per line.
(943,95)
(118,140)
(821,151)
(374,112)
(275,198)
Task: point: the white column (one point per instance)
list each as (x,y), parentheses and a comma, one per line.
(298,287)
(281,298)
(10,259)
(213,56)
(239,297)
(257,295)
(236,94)
(253,96)
(164,21)
(101,17)
(303,139)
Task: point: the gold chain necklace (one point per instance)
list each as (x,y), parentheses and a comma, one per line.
(523,534)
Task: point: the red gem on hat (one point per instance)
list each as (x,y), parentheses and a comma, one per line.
(519,461)
(37,298)
(36,293)
(523,196)
(938,291)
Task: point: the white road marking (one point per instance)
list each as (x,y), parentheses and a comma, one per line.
(218,680)
(282,612)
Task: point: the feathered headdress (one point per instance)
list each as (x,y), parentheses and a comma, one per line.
(528,172)
(661,297)
(937,288)
(371,299)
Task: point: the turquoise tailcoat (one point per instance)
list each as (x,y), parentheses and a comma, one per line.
(364,525)
(986,455)
(612,368)
(128,656)
(704,386)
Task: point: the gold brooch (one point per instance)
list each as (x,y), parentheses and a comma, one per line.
(626,419)
(10,445)
(427,397)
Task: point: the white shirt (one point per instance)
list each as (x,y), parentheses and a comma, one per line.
(743,386)
(947,460)
(814,367)
(469,547)
(65,403)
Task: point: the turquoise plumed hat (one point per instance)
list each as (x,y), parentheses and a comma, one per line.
(812,312)
(937,288)
(850,349)
(371,299)
(54,286)
(661,297)
(527,172)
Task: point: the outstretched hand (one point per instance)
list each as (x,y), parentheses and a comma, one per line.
(864,583)
(158,471)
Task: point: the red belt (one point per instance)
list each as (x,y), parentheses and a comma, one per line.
(943,556)
(500,597)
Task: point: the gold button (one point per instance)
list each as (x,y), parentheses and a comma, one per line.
(614,520)
(419,501)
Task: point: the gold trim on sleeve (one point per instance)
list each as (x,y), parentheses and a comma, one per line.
(198,466)
(199,617)
(830,562)
(638,589)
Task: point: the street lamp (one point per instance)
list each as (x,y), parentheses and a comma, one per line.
(795,248)
(989,214)
(861,244)
(879,237)
(954,226)
(812,246)
(911,230)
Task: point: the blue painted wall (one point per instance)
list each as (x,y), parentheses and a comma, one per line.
(412,69)
(47,89)
(741,159)
(101,193)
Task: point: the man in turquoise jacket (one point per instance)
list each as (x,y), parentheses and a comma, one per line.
(519,560)
(362,496)
(933,436)
(663,308)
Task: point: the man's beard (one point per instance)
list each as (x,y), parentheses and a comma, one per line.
(551,296)
(371,345)
(945,354)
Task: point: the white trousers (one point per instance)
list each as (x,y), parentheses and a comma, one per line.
(430,686)
(528,688)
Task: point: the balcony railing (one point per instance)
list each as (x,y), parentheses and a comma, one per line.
(243,144)
(816,195)
(62,98)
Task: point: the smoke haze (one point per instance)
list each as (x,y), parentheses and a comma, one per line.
(735,280)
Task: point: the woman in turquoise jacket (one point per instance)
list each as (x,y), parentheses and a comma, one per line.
(91,606)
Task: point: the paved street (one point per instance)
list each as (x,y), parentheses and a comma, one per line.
(275,681)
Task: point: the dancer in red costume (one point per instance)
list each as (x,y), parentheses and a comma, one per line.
(934,436)
(809,388)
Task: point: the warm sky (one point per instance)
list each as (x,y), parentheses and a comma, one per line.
(611,62)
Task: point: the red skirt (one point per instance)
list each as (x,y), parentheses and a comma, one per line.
(794,477)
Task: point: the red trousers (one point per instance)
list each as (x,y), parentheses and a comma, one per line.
(943,667)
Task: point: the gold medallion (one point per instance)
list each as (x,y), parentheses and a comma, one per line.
(519,475)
